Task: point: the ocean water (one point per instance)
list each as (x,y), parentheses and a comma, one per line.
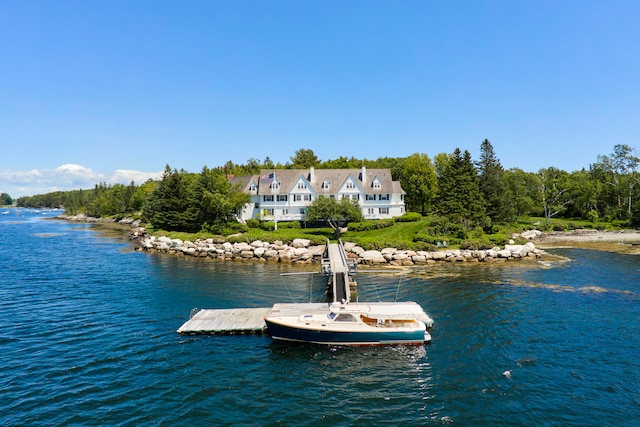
(87,337)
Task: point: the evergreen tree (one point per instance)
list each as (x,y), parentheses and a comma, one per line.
(304,158)
(493,187)
(169,206)
(459,194)
(218,202)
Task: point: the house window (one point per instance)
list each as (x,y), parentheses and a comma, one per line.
(303,211)
(384,211)
(332,196)
(268,198)
(301,186)
(256,205)
(383,197)
(285,211)
(254,186)
(269,211)
(307,197)
(370,197)
(325,184)
(370,211)
(376,183)
(282,198)
(274,185)
(350,184)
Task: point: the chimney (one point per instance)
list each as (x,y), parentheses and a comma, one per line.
(364,174)
(312,175)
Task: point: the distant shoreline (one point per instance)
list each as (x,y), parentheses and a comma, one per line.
(622,241)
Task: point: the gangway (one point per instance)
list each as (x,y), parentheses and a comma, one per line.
(340,269)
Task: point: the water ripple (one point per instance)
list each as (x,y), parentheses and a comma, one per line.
(87,337)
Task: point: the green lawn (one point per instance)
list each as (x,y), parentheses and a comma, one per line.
(400,234)
(398,231)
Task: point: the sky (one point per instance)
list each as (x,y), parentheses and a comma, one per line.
(113,91)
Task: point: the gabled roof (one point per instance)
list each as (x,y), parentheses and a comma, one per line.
(244,182)
(288,178)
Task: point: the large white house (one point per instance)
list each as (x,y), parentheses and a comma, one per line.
(284,194)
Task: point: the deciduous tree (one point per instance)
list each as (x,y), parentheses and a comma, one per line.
(420,183)
(336,213)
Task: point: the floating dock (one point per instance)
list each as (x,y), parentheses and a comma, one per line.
(242,321)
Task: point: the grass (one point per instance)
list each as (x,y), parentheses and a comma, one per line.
(398,231)
(400,234)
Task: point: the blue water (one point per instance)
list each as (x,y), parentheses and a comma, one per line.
(87,337)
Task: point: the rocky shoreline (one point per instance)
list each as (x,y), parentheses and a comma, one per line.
(301,251)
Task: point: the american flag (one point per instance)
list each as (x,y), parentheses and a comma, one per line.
(267,179)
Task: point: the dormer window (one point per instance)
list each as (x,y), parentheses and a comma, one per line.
(254,186)
(326,184)
(274,185)
(376,183)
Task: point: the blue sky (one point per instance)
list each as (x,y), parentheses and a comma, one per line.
(94,91)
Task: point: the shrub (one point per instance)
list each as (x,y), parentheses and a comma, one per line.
(475,244)
(425,238)
(233,228)
(620,224)
(289,225)
(224,229)
(409,217)
(370,225)
(253,223)
(268,225)
(593,216)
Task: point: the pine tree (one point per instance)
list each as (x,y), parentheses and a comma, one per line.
(493,187)
(460,198)
(169,207)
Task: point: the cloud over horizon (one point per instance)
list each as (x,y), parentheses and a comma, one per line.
(65,178)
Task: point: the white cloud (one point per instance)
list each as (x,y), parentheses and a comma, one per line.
(64,178)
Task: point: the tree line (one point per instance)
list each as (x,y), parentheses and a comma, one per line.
(467,193)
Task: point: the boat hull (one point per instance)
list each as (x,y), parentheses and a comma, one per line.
(334,337)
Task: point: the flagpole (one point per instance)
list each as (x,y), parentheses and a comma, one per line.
(275,201)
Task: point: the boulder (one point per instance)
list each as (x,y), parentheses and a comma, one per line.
(301,243)
(372,257)
(349,246)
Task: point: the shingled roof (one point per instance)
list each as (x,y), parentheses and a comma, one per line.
(336,178)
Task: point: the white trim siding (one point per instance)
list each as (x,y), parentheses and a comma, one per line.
(378,195)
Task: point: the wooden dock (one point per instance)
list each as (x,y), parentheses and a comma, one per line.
(226,321)
(242,321)
(234,321)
